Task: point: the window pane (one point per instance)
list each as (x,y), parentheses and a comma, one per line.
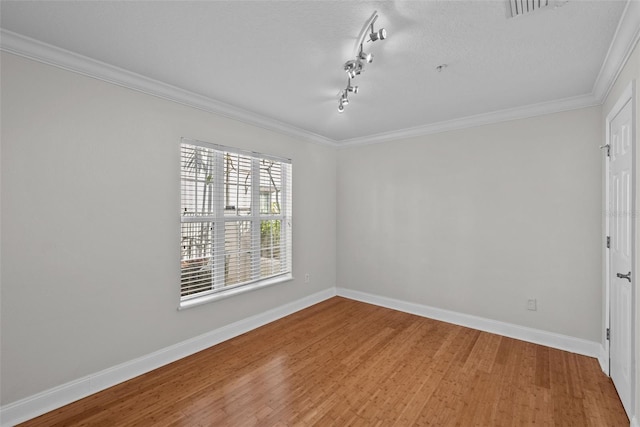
(237,184)
(197,176)
(270,256)
(237,250)
(197,252)
(265,202)
(270,186)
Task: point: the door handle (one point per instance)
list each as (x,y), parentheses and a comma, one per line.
(624,276)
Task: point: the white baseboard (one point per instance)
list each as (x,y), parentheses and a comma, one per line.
(48,400)
(603,360)
(536,336)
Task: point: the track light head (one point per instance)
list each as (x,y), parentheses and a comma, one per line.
(352,89)
(342,101)
(381,34)
(353,67)
(343,98)
(350,68)
(368,57)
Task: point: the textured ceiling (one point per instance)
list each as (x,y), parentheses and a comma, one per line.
(283,59)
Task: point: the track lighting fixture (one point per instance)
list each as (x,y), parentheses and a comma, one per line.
(354,67)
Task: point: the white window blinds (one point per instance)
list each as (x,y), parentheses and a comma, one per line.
(235,219)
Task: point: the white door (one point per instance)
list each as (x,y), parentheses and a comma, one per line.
(621,276)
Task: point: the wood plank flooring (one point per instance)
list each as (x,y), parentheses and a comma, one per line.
(343,362)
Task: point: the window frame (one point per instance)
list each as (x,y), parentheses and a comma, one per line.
(219,218)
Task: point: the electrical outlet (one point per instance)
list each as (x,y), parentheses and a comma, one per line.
(307,278)
(532,304)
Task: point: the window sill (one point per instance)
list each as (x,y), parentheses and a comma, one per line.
(194,302)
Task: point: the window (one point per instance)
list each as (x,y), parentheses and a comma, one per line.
(235,221)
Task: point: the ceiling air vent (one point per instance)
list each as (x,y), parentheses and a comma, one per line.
(522,7)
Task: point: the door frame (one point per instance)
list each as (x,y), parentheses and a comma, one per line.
(628,95)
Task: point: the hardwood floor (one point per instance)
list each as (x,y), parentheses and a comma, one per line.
(343,362)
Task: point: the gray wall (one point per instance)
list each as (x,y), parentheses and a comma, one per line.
(475,221)
(479,220)
(90,224)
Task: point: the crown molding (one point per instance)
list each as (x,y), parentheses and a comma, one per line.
(48,54)
(524,112)
(626,37)
(624,40)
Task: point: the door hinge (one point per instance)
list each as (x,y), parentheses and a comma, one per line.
(608,334)
(608,242)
